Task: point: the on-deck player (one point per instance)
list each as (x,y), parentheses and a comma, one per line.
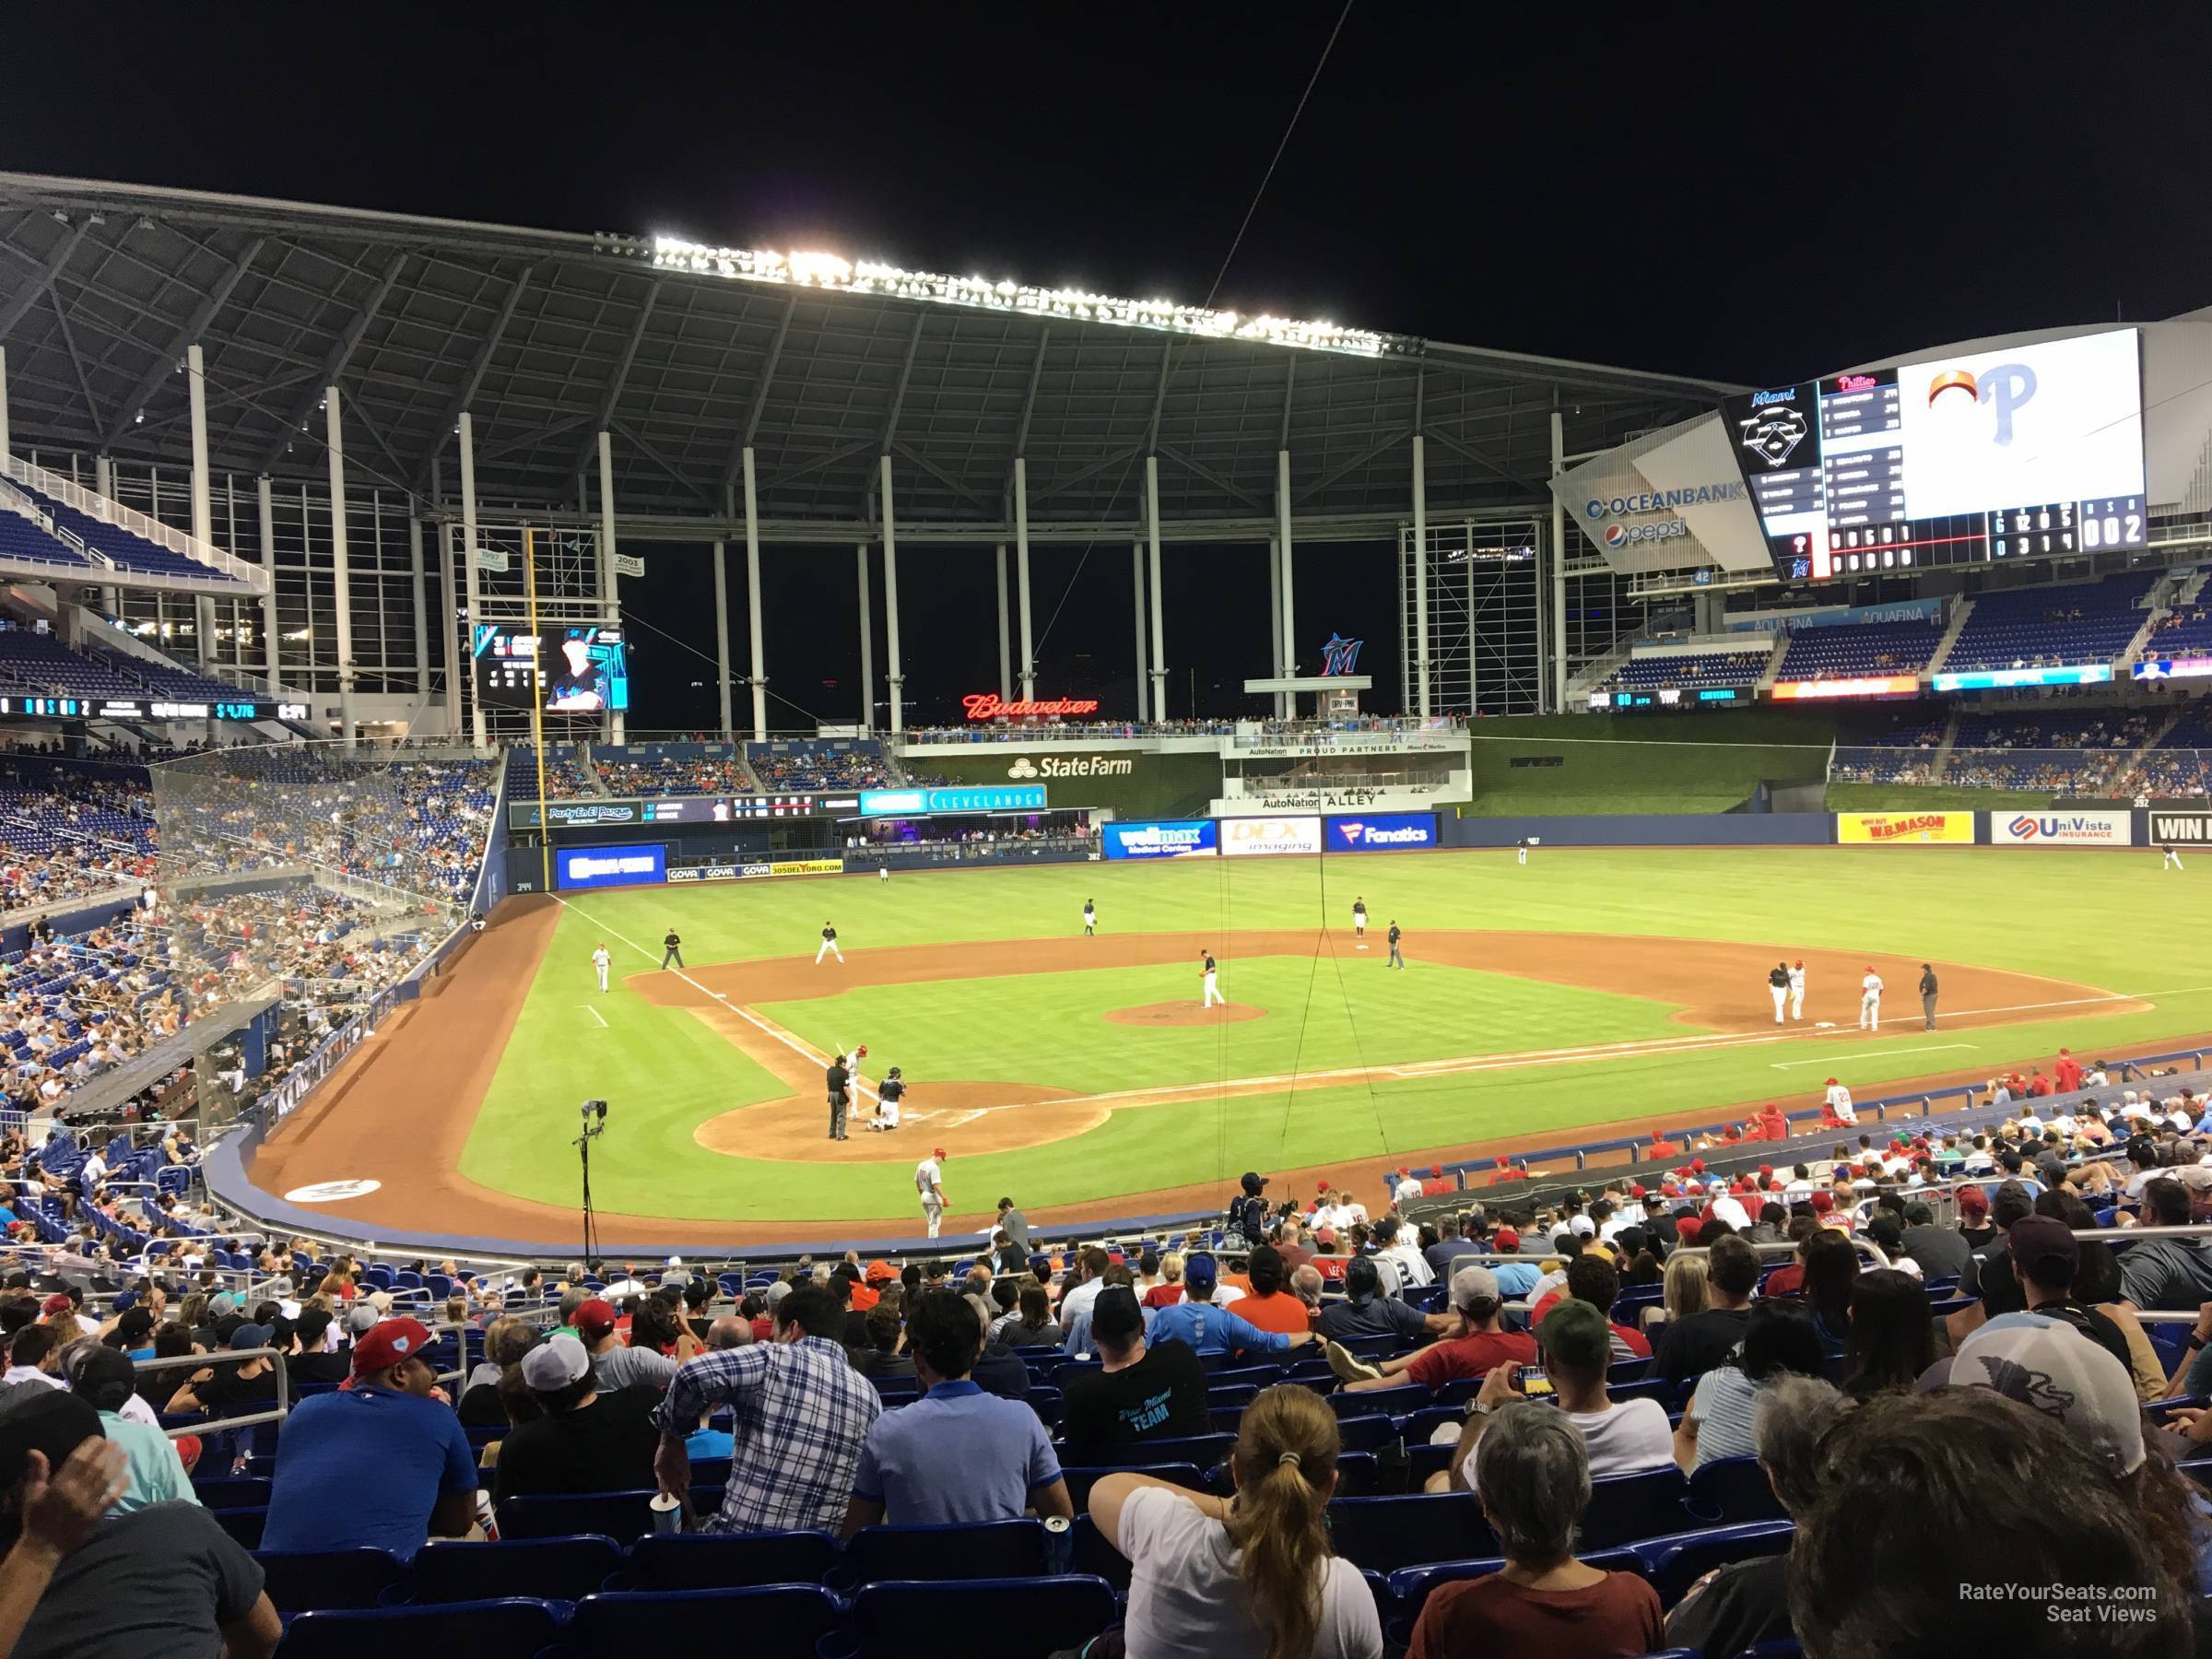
(1212,989)
(1838,1101)
(600,958)
(829,946)
(672,949)
(1398,958)
(1360,923)
(888,1094)
(929,1181)
(1870,1000)
(1090,918)
(1797,989)
(1778,981)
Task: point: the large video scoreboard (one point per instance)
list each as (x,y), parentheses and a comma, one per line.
(2027,452)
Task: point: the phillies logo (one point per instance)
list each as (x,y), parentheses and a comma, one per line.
(2005,388)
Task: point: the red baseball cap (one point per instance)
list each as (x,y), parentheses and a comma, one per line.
(1636,1189)
(56,1303)
(1403,1173)
(1437,1171)
(1823,1200)
(388,1342)
(1322,1185)
(1505,1238)
(1766,1168)
(596,1316)
(1973,1198)
(937,1152)
(1698,1164)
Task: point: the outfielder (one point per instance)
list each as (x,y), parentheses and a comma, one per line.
(1398,958)
(672,949)
(829,946)
(1797,989)
(883,872)
(1090,918)
(599,962)
(1360,923)
(887,1094)
(1212,988)
(1870,1000)
(929,1181)
(2173,860)
(1521,851)
(1778,981)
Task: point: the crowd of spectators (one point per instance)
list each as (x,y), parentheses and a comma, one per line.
(797,765)
(717,772)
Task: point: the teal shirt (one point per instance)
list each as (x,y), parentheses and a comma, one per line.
(157,1473)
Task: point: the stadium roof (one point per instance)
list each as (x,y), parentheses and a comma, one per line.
(683,353)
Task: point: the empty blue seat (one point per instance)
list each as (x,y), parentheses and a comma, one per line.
(1080,1480)
(775,1621)
(509,1628)
(622,1516)
(1367,1433)
(243,1524)
(1627,1507)
(1386,1533)
(983,1549)
(452,1570)
(298,1580)
(1028,1618)
(1675,1562)
(1204,1450)
(1732,1489)
(725,1560)
(1385,1402)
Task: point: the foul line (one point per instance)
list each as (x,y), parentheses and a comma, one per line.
(594,1013)
(751,1019)
(1933,1048)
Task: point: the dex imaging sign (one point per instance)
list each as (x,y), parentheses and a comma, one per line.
(1261,837)
(611,867)
(1381,832)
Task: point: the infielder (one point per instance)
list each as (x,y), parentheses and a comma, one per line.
(887,1094)
(1212,989)
(829,946)
(1870,1000)
(2172,862)
(1090,918)
(837,1079)
(1778,981)
(672,949)
(1360,923)
(1398,958)
(929,1181)
(599,962)
(1797,989)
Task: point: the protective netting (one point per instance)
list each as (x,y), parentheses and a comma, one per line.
(314,872)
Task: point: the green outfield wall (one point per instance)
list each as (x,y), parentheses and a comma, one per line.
(1641,763)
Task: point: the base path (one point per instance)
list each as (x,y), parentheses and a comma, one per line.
(375,1120)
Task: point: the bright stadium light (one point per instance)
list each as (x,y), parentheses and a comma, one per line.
(836,274)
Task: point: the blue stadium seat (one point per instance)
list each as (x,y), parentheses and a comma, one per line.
(1029,1618)
(451,1569)
(1410,1587)
(299,1580)
(1091,1551)
(1204,1450)
(1385,1402)
(773,1621)
(1080,1480)
(1387,1533)
(1675,1562)
(1627,1507)
(988,1549)
(622,1516)
(509,1628)
(1732,1489)
(231,1491)
(1366,1433)
(727,1561)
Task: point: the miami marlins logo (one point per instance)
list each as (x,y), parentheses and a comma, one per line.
(1339,655)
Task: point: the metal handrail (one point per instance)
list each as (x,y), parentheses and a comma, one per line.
(206,1361)
(129,518)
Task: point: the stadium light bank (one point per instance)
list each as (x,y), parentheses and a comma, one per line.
(836,274)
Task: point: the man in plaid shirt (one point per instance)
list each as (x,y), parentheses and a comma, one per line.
(802,1413)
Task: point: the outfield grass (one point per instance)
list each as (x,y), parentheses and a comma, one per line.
(2088,917)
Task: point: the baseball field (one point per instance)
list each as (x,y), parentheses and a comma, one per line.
(1588,989)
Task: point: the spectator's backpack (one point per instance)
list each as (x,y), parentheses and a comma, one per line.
(1247,1218)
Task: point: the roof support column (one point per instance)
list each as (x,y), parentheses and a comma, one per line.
(1274,614)
(1136,562)
(722,636)
(610,583)
(1006,647)
(203,502)
(3,404)
(267,504)
(422,605)
(103,485)
(448,607)
(1021,573)
(891,595)
(341,584)
(1160,636)
(868,644)
(1420,577)
(473,602)
(752,607)
(1282,535)
(1559,575)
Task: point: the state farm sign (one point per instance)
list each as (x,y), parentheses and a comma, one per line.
(1071,766)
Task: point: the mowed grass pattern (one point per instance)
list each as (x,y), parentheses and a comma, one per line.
(2101,919)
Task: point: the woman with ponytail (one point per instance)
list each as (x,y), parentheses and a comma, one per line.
(1249,1577)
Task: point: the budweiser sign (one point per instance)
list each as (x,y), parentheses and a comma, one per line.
(989,705)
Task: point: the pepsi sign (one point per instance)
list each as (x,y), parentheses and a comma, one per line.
(1381,832)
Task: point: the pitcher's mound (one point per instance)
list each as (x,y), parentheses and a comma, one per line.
(1184,1014)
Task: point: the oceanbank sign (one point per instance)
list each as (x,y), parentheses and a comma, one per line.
(1646,503)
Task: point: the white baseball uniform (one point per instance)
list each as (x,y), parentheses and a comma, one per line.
(1838,1102)
(1798,992)
(1359,921)
(1213,990)
(2172,861)
(1090,918)
(1870,1003)
(883,872)
(929,1181)
(600,960)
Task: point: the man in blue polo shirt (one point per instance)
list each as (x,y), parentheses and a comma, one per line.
(956,1454)
(380,1463)
(1209,1328)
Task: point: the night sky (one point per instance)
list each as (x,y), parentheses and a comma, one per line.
(1659,189)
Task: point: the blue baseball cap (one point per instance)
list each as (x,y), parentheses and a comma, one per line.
(1200,1269)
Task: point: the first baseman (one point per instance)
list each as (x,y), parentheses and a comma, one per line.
(829,946)
(599,962)
(1870,1000)
(1778,981)
(1212,992)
